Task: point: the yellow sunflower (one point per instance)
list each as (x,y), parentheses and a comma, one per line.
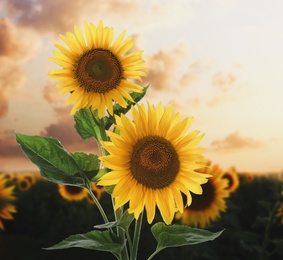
(72,193)
(95,70)
(153,160)
(6,197)
(207,206)
(233,179)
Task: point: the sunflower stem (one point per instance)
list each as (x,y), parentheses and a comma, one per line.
(101,210)
(266,238)
(120,232)
(154,253)
(137,237)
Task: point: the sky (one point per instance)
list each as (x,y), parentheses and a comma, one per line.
(219,61)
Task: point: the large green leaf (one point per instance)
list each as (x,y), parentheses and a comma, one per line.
(124,222)
(95,240)
(54,162)
(180,235)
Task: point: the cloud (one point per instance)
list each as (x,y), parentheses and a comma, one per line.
(64,131)
(50,93)
(18,44)
(194,71)
(163,66)
(12,78)
(226,85)
(224,81)
(8,145)
(9,44)
(235,141)
(58,16)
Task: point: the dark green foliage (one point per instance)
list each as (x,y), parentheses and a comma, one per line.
(44,219)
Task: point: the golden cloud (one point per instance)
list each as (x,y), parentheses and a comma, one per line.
(235,141)
(12,78)
(58,16)
(163,66)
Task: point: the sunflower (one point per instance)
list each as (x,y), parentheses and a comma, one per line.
(233,179)
(207,207)
(6,197)
(95,70)
(153,160)
(25,181)
(72,193)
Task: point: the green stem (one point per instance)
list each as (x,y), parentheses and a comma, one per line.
(101,210)
(266,238)
(120,232)
(129,240)
(137,237)
(154,253)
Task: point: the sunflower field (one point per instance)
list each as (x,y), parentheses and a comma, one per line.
(36,214)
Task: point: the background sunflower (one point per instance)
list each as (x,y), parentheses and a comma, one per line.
(206,207)
(72,193)
(6,198)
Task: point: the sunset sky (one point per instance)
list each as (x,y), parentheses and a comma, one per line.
(219,61)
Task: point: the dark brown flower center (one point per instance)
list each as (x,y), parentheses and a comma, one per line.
(73,190)
(23,184)
(203,201)
(98,71)
(154,162)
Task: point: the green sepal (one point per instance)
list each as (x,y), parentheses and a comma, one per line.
(118,110)
(95,240)
(124,222)
(180,235)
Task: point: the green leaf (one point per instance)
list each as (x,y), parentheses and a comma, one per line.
(88,163)
(95,240)
(179,235)
(55,163)
(87,123)
(124,222)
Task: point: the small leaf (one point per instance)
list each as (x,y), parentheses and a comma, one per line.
(87,123)
(178,235)
(95,240)
(124,222)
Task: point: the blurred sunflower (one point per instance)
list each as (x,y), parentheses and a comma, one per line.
(72,193)
(97,191)
(6,197)
(153,160)
(233,179)
(279,213)
(25,181)
(95,70)
(207,206)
